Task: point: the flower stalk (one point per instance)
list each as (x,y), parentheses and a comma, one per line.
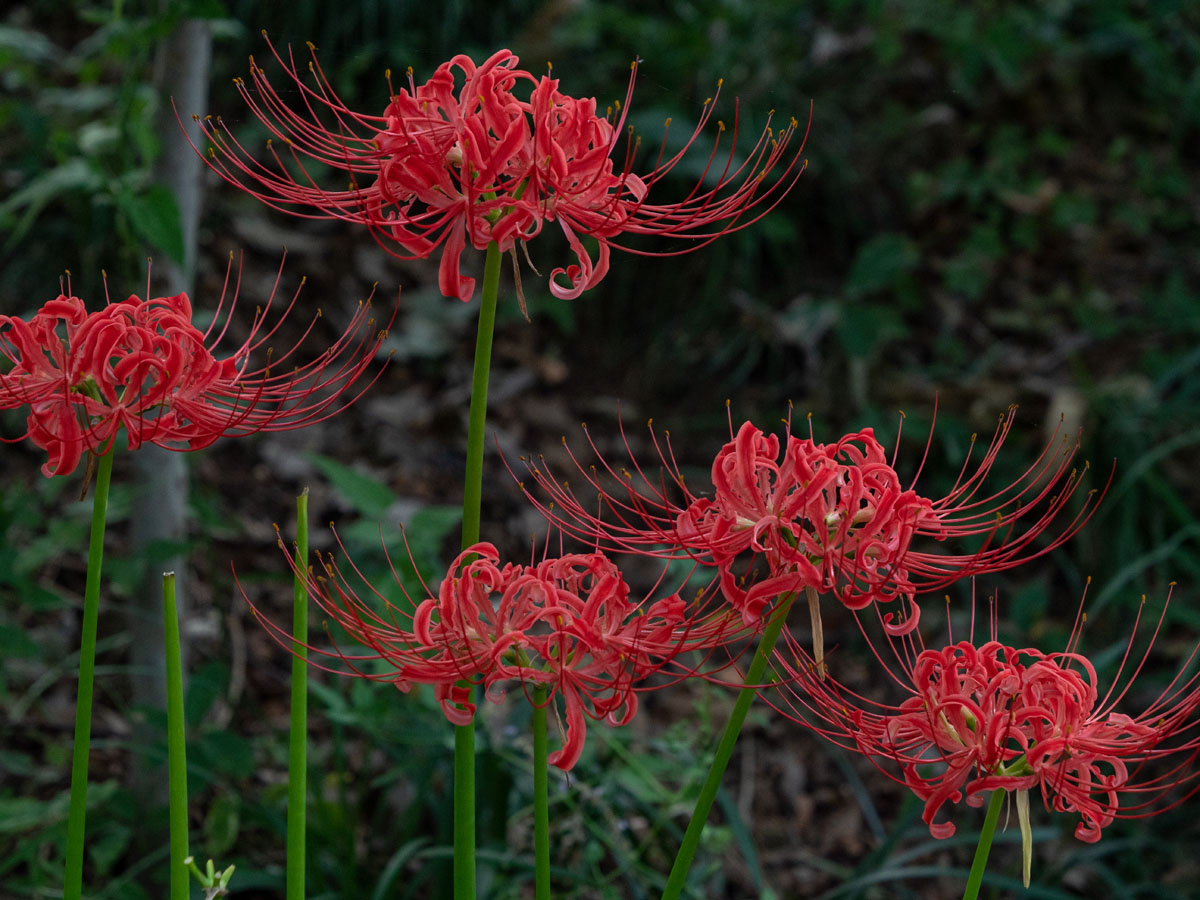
(984,847)
(464,735)
(176,744)
(708,793)
(541,796)
(298,732)
(77,813)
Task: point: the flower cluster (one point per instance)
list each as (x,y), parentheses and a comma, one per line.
(144,367)
(567,624)
(489,152)
(988,717)
(825,518)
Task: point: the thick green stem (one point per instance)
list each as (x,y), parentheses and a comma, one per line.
(541,797)
(464,735)
(708,793)
(298,736)
(176,743)
(477,420)
(975,878)
(77,815)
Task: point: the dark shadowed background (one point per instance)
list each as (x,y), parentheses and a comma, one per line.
(1001,206)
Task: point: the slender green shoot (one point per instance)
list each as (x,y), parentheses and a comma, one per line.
(477,418)
(975,877)
(541,796)
(77,813)
(177,791)
(298,736)
(708,793)
(464,735)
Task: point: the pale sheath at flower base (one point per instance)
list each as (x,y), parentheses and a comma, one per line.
(825,518)
(144,367)
(987,717)
(568,624)
(489,152)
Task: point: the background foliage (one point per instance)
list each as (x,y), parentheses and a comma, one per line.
(1001,206)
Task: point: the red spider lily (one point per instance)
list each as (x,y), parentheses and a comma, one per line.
(826,518)
(462,158)
(566,623)
(142,366)
(991,717)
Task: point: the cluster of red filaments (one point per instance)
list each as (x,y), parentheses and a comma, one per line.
(489,152)
(144,367)
(988,717)
(567,625)
(824,518)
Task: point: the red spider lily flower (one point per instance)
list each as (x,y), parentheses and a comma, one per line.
(981,718)
(566,623)
(144,367)
(463,158)
(826,518)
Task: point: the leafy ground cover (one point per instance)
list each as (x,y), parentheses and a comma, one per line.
(1000,207)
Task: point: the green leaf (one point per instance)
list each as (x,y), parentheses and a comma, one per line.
(204,686)
(75,175)
(227,753)
(428,530)
(107,848)
(222,824)
(19,814)
(369,497)
(862,330)
(154,215)
(15,643)
(882,263)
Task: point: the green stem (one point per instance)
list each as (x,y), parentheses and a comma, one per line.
(298,735)
(477,420)
(541,796)
(176,743)
(77,814)
(464,735)
(975,878)
(708,793)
